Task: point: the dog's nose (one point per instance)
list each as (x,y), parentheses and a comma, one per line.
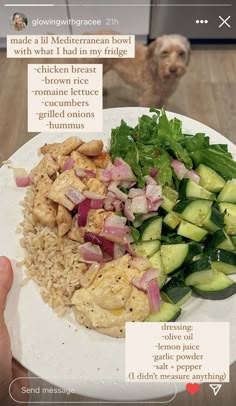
(173,69)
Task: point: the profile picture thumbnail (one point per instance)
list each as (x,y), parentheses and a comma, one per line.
(19,21)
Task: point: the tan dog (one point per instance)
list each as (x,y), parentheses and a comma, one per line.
(156,68)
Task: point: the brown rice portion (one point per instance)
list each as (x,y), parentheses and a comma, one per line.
(52,262)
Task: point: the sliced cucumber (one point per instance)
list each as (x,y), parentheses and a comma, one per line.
(228,193)
(151,229)
(193,210)
(176,292)
(220,240)
(223,261)
(214,220)
(168,312)
(229,212)
(189,188)
(198,272)
(220,287)
(233,238)
(170,197)
(191,231)
(146,248)
(175,255)
(171,220)
(157,263)
(210,179)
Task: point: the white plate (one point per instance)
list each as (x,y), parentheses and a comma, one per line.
(90,363)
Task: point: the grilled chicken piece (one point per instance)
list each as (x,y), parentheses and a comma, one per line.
(64,220)
(61,185)
(102,160)
(96,186)
(44,209)
(82,161)
(64,148)
(61,160)
(76,233)
(91,148)
(95,222)
(47,166)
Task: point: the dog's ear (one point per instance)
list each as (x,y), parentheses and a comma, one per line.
(153,48)
(187,46)
(152,55)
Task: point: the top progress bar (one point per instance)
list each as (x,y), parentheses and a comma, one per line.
(119,5)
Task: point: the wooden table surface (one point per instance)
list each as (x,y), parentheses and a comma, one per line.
(207,93)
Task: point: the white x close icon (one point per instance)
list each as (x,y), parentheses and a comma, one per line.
(224,21)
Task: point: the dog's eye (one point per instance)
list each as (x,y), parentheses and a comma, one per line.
(164,53)
(181,54)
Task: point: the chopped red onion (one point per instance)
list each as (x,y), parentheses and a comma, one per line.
(117,192)
(115,234)
(90,174)
(68,164)
(96,203)
(87,278)
(135,192)
(115,221)
(179,168)
(119,250)
(90,253)
(153,172)
(147,216)
(105,175)
(153,192)
(118,161)
(130,249)
(154,206)
(154,295)
(85,173)
(104,244)
(108,202)
(149,180)
(122,171)
(127,184)
(193,175)
(118,205)
(127,210)
(74,195)
(149,275)
(139,204)
(92,195)
(21,177)
(80,172)
(114,228)
(83,210)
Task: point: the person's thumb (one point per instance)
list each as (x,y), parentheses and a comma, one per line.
(6,279)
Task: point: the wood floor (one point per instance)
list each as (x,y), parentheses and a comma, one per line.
(207,93)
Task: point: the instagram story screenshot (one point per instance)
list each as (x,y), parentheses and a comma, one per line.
(118,202)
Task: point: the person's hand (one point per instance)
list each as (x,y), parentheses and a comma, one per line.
(9,368)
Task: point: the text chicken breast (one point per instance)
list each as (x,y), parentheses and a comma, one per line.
(111,300)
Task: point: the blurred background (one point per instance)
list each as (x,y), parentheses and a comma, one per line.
(206,93)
